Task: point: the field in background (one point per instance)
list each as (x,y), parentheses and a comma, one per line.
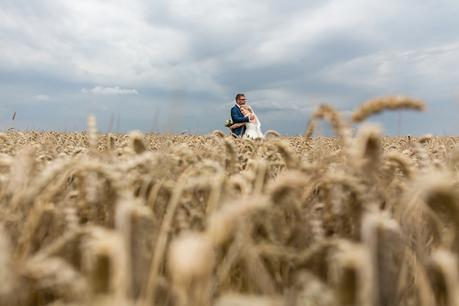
(92,219)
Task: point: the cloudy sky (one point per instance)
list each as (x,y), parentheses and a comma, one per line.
(175,65)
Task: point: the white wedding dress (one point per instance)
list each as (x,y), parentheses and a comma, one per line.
(253,130)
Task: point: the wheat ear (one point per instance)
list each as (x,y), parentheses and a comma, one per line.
(375,106)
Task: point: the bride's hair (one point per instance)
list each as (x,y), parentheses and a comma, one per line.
(246,108)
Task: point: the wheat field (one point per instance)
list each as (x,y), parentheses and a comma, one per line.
(132,219)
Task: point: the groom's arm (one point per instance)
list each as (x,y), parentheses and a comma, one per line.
(238,118)
(236,125)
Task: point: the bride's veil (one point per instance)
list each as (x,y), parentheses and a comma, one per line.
(258,120)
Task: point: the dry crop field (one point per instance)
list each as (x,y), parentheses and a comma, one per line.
(110,219)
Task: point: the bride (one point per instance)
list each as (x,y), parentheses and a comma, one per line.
(253,130)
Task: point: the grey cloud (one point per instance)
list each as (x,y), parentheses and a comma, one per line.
(110,91)
(261,109)
(186,60)
(42,97)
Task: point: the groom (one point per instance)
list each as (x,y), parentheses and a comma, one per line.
(238,117)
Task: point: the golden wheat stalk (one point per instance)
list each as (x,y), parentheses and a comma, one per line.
(443,277)
(149,292)
(191,263)
(377,105)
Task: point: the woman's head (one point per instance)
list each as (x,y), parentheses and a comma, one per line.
(245,109)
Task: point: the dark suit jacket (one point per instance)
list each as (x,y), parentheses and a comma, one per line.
(238,117)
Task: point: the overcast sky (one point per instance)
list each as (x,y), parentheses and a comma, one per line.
(177,64)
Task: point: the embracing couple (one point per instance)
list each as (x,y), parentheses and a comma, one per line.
(245,123)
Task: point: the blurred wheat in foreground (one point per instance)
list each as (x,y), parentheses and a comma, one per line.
(110,219)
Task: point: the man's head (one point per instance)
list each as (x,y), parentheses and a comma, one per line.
(240,99)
